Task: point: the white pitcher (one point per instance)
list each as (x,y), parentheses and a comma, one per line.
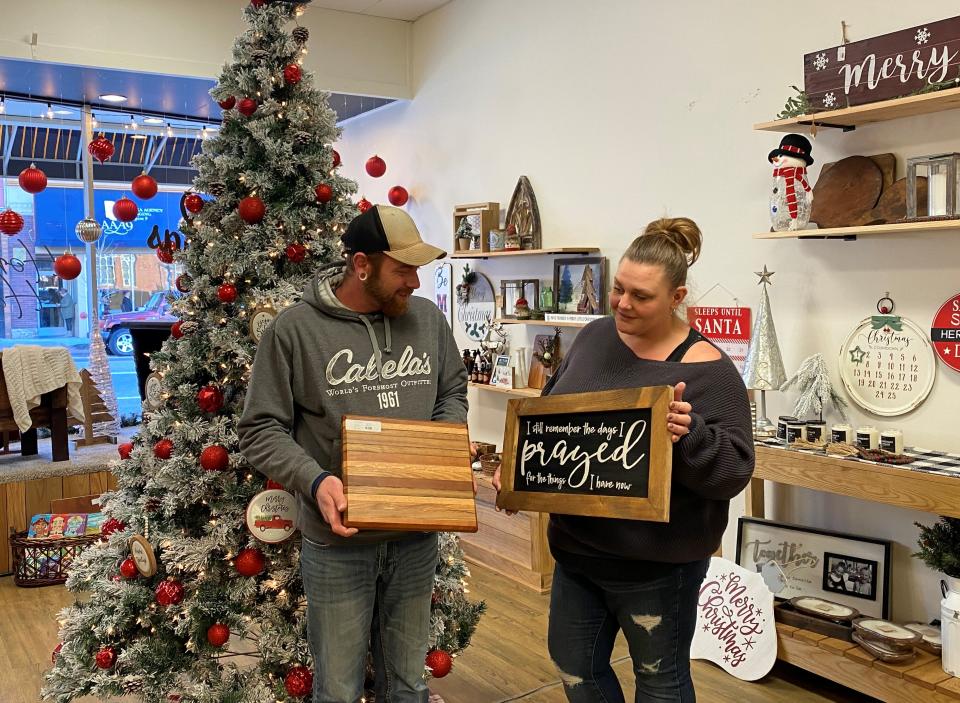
(950,625)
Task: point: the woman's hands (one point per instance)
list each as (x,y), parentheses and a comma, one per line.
(678,419)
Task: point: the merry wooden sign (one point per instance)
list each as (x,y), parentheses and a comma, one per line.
(604,454)
(880,68)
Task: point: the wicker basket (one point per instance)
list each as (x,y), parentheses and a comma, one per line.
(489,464)
(44,562)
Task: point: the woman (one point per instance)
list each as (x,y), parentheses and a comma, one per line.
(643,577)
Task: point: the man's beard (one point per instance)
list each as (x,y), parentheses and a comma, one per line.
(391,304)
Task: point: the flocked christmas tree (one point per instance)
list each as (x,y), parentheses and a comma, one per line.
(222,617)
(812,379)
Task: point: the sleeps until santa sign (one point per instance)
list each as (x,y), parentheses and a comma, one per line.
(728,328)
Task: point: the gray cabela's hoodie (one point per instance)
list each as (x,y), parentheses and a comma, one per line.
(319,361)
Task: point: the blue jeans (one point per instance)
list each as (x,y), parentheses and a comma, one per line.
(657,617)
(345,587)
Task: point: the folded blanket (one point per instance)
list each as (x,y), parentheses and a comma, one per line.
(30,371)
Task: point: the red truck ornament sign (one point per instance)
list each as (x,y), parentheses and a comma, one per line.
(881,68)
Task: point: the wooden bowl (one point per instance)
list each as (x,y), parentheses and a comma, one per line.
(485,448)
(489,463)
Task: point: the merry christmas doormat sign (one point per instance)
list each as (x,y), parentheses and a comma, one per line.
(735,626)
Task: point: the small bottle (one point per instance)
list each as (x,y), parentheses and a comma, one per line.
(466,359)
(485,371)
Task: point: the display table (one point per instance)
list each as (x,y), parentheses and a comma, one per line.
(922,680)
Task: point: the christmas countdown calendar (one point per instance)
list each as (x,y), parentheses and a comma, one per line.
(887,365)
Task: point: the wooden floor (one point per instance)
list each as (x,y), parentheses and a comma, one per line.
(507,661)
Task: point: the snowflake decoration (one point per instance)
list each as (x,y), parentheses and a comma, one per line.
(829,100)
(820,62)
(923,36)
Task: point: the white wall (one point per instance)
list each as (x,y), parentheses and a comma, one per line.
(349,53)
(622,111)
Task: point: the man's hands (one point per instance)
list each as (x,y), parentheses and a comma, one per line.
(332,503)
(496,484)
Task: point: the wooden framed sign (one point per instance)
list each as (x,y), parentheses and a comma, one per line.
(880,68)
(407,475)
(605,454)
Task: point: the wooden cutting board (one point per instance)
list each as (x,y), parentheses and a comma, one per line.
(846,192)
(893,203)
(407,475)
(887,163)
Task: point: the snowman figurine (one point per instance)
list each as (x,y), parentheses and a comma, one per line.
(791,198)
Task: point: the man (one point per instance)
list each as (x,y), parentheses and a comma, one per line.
(358,343)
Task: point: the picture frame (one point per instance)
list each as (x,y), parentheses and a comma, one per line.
(502,376)
(851,570)
(623,435)
(580,285)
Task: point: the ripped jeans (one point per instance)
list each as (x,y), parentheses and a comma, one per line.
(657,617)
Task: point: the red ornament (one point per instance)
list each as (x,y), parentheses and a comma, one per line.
(210,399)
(364,205)
(193,203)
(336,158)
(176,330)
(439,662)
(247,107)
(165,253)
(249,561)
(111,525)
(67,266)
(125,210)
(299,681)
(227,292)
(215,458)
(271,485)
(296,252)
(257,3)
(376,166)
(10,222)
(398,196)
(124,450)
(252,210)
(169,593)
(105,657)
(128,568)
(228,103)
(56,653)
(324,193)
(163,449)
(101,148)
(218,634)
(144,186)
(292,74)
(33,180)
(183,282)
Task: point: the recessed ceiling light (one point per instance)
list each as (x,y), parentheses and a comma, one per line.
(152,120)
(62,112)
(114,98)
(138,136)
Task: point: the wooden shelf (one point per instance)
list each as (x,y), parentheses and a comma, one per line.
(541,323)
(865,231)
(477,254)
(922,680)
(518,392)
(890,485)
(852,117)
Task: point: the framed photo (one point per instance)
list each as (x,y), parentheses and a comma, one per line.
(605,454)
(580,285)
(502,375)
(798,561)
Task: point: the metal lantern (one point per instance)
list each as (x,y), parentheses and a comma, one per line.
(942,172)
(88,230)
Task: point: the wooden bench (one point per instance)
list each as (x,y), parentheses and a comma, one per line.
(51,413)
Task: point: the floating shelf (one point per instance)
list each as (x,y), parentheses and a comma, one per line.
(477,254)
(518,392)
(852,117)
(865,231)
(541,323)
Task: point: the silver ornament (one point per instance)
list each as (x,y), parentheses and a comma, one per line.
(88,230)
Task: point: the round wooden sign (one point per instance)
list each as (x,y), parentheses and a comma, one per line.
(479,310)
(260,319)
(143,556)
(153,391)
(945,333)
(272,516)
(887,365)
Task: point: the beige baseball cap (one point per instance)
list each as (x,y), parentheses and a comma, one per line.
(391,231)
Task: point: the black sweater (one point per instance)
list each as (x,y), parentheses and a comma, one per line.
(711,465)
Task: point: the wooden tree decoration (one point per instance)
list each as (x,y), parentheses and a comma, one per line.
(96,414)
(524,215)
(813,381)
(588,303)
